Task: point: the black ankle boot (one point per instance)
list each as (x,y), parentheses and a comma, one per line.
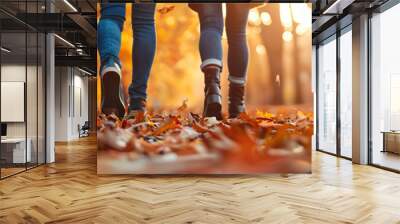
(236,100)
(212,90)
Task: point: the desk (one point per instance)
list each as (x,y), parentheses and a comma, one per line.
(391,141)
(13,150)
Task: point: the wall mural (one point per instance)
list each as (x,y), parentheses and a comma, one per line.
(204,88)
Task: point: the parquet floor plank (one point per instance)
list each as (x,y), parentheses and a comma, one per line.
(70,191)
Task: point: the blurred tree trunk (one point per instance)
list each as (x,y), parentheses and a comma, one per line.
(272,39)
(297,69)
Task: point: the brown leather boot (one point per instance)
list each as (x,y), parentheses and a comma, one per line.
(212,90)
(112,94)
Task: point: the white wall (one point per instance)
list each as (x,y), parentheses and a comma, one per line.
(13,73)
(80,110)
(71,102)
(61,104)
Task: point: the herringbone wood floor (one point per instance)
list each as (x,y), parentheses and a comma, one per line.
(69,191)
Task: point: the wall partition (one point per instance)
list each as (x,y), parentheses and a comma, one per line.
(22,78)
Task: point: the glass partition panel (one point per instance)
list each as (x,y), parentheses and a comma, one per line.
(327,96)
(15,151)
(346,94)
(32,98)
(22,67)
(33,7)
(41,79)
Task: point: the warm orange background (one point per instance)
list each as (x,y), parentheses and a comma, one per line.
(279,38)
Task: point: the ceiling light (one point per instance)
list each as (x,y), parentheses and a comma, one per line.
(79,51)
(84,71)
(65,41)
(5,50)
(337,7)
(70,5)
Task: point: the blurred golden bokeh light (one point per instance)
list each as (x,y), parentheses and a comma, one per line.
(287,36)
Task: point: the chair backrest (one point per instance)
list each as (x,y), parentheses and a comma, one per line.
(86,124)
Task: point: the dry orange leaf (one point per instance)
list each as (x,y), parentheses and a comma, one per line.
(166,9)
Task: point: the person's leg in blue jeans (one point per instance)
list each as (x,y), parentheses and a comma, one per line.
(109,44)
(210,46)
(109,32)
(144,46)
(211,30)
(238,56)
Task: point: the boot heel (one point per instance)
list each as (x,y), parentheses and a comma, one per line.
(213,110)
(236,100)
(112,101)
(213,106)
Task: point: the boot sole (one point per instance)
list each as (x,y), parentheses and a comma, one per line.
(112,103)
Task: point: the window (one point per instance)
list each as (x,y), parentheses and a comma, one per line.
(346,93)
(385,89)
(327,96)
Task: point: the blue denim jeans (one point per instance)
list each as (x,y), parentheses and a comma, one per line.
(144,36)
(211,29)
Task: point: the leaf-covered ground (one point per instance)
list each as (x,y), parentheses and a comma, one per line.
(182,142)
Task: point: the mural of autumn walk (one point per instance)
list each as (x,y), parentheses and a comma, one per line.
(273,137)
